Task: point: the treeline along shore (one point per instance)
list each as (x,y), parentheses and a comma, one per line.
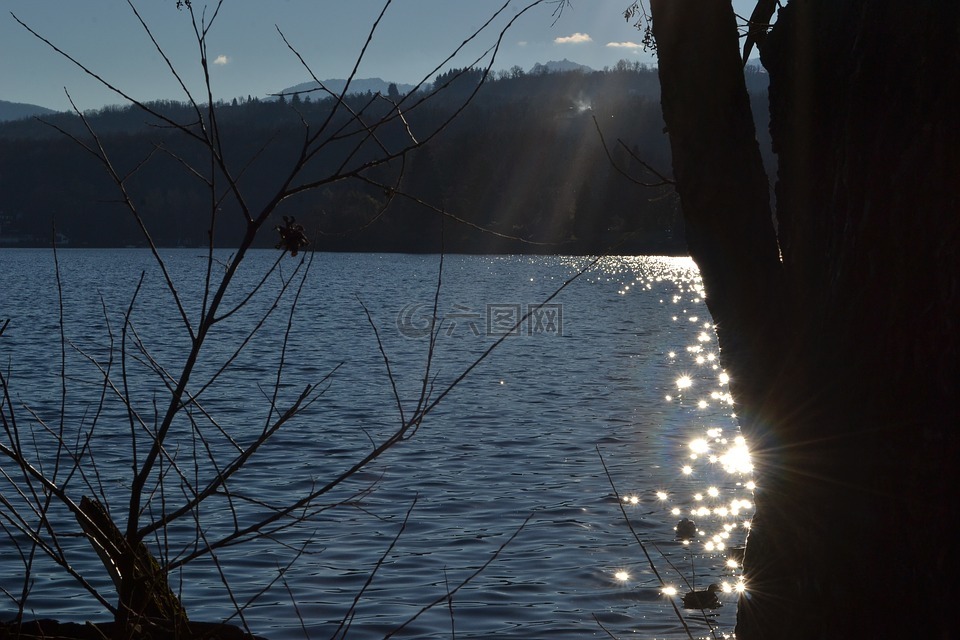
(536,163)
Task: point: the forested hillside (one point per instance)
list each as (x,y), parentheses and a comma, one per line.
(522,169)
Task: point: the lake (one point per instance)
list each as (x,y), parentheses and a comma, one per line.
(620,368)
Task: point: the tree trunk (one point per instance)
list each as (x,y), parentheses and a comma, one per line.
(842,348)
(145,598)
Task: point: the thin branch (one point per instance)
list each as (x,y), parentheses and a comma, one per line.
(664,181)
(386,360)
(643,546)
(344,626)
(449,595)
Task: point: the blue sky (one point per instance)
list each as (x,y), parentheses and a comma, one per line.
(250,58)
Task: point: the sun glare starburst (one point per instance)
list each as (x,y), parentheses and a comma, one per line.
(737,458)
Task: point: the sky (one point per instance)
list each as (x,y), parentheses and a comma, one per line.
(248,55)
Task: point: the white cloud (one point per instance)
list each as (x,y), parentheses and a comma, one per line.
(522,43)
(221,60)
(624,45)
(576,38)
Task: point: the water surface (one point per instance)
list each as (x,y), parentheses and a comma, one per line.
(623,367)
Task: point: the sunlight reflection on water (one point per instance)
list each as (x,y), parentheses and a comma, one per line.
(519,437)
(723,514)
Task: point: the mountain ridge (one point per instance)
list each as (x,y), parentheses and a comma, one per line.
(336,85)
(559,66)
(21,110)
(379,85)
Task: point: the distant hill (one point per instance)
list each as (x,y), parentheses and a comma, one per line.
(559,66)
(359,85)
(19,110)
(495,165)
(374,85)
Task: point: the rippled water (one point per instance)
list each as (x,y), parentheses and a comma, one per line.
(621,371)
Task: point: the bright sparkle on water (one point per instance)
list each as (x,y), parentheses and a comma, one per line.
(715,473)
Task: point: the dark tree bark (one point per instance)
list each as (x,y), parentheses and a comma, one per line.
(145,596)
(837,322)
